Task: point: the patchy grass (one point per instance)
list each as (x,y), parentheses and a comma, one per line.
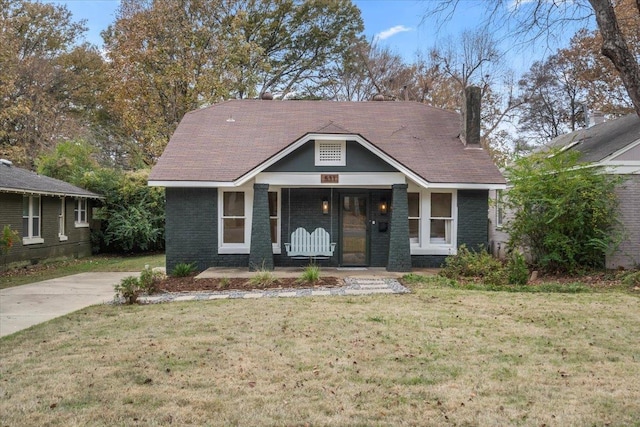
(51,270)
(569,285)
(434,357)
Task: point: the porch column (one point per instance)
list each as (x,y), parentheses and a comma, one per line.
(399,247)
(261,254)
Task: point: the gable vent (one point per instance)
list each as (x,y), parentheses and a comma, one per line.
(330,153)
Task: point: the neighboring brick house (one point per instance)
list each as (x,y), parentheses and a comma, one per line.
(615,145)
(393,184)
(51,216)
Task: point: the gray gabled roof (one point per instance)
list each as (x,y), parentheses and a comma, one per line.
(600,141)
(16,180)
(223,142)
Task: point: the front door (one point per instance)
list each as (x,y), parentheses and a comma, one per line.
(353,220)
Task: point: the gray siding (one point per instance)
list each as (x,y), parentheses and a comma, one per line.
(628,253)
(77,245)
(359,159)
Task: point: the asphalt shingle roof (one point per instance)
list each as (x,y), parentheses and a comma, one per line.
(225,141)
(600,141)
(16,180)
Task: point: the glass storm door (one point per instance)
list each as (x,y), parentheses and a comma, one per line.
(354,230)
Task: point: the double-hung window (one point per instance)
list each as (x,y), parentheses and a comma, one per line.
(62,219)
(414,217)
(499,209)
(274,220)
(432,222)
(31,215)
(80,213)
(441,219)
(233,218)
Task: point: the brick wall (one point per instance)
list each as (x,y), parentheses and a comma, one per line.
(191,227)
(399,247)
(473,208)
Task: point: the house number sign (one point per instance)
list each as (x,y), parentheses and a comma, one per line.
(329,178)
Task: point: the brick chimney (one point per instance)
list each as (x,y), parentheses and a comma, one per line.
(470,134)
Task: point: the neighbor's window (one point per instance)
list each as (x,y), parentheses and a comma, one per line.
(274,216)
(62,219)
(414,217)
(441,218)
(499,208)
(31,219)
(233,217)
(331,153)
(80,213)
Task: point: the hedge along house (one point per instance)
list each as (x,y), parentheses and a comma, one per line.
(51,217)
(258,183)
(615,146)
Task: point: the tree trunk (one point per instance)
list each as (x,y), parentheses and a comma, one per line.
(616,49)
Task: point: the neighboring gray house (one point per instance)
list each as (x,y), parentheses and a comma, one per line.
(258,183)
(615,145)
(51,216)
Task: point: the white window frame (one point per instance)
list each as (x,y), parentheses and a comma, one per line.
(499,209)
(29,238)
(78,221)
(343,153)
(419,218)
(62,218)
(235,248)
(276,246)
(424,245)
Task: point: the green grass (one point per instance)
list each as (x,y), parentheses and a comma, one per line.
(73,266)
(437,356)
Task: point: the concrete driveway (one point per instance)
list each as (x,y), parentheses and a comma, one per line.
(28,305)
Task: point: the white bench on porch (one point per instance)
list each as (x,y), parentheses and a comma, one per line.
(314,245)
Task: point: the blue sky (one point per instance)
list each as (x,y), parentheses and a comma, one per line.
(397,24)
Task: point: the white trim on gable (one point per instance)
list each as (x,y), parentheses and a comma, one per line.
(348,179)
(253,173)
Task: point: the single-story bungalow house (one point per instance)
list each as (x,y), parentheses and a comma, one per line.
(51,216)
(614,145)
(263,183)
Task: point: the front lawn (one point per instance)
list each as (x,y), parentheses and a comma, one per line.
(437,356)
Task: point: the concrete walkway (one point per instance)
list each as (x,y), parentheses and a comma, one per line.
(27,305)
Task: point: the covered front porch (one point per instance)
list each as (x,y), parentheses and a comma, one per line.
(330,226)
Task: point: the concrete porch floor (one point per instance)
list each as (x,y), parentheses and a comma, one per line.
(340,272)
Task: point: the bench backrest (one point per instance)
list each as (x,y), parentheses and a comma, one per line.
(316,243)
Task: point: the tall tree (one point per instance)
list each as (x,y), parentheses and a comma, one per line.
(47,83)
(367,70)
(168,57)
(536,18)
(472,59)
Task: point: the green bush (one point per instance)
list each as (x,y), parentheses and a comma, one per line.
(631,279)
(129,289)
(517,271)
(311,274)
(263,278)
(183,269)
(564,213)
(478,264)
(149,280)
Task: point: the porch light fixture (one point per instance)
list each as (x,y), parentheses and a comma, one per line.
(383,206)
(325,206)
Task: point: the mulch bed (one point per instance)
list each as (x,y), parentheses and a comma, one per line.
(191,284)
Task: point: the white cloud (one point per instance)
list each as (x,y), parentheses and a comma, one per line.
(382,35)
